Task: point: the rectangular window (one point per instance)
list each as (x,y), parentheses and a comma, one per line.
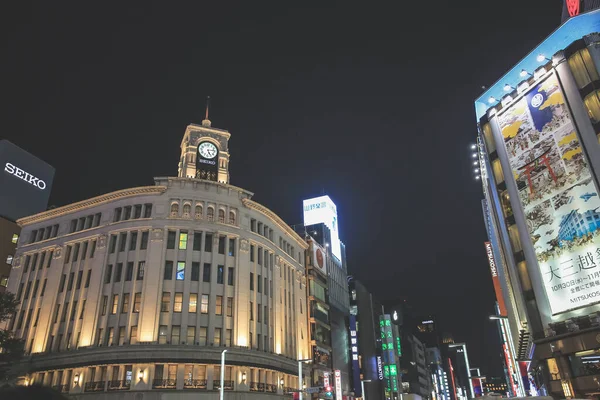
(191,335)
(144,242)
(251,281)
(175,334)
(99,337)
(63,316)
(121,338)
(61,285)
(118,272)
(93,249)
(168,273)
(183,237)
(165,303)
(110,336)
(37,317)
(26,264)
(70,284)
(137,211)
(137,300)
(195,271)
(251,252)
(79,279)
(122,241)
(220,274)
(217,338)
(228,337)
(171,240)
(208,243)
(178,304)
(230,306)
(266,287)
(162,334)
(206,273)
(230,276)
(35,288)
(231,247)
(133,241)
(73,311)
(56,314)
(82,309)
(259,315)
(219,306)
(108,275)
(266,316)
(87,278)
(204,304)
(43,288)
(193,303)
(197,241)
(117,216)
(42,259)
(202,336)
(84,248)
(133,335)
(251,312)
(112,245)
(104,304)
(34,262)
(115,304)
(222,244)
(127,213)
(260,255)
(67,254)
(147,210)
(125,305)
(180,270)
(140,271)
(20,291)
(76,252)
(259,283)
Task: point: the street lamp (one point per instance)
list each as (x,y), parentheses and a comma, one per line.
(464,348)
(222,374)
(300,376)
(362,388)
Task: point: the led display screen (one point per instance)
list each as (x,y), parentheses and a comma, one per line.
(25,182)
(557,193)
(321,210)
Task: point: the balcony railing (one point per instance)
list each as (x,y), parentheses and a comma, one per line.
(124,384)
(227,385)
(270,388)
(288,390)
(164,383)
(97,386)
(254,386)
(194,384)
(61,388)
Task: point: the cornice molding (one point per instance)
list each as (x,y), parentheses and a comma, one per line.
(275,218)
(93,202)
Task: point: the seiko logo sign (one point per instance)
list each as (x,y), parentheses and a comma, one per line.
(26,176)
(490,254)
(200,160)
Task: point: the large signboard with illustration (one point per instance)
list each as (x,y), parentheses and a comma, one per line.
(558,195)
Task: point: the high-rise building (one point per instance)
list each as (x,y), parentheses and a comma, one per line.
(365,335)
(25,182)
(321,223)
(539,159)
(140,291)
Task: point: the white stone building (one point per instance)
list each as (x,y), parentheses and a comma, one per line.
(137,292)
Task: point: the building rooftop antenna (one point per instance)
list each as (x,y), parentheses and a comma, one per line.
(206,121)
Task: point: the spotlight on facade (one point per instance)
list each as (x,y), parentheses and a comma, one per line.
(474,155)
(476,169)
(76,379)
(524,73)
(244,377)
(141,374)
(473,146)
(281,382)
(477,177)
(542,58)
(508,88)
(475,162)
(492,100)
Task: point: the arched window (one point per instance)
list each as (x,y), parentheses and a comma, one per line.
(174,210)
(198,211)
(231,217)
(221,215)
(210,214)
(187,210)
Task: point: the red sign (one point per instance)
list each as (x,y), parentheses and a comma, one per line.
(573,7)
(494,270)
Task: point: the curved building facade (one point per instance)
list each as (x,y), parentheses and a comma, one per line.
(139,291)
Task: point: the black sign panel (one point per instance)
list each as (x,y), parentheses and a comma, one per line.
(25,182)
(207,159)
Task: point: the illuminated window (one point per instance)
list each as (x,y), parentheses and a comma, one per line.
(115,305)
(497,169)
(9,259)
(515,240)
(583,68)
(592,103)
(178,304)
(219,305)
(137,300)
(180,270)
(488,137)
(553,369)
(217,339)
(204,304)
(125,306)
(174,210)
(175,334)
(193,302)
(165,302)
(4,281)
(15,238)
(191,334)
(230,306)
(162,334)
(183,238)
(202,336)
(187,210)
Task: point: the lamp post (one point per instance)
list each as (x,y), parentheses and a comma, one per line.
(464,348)
(222,374)
(300,376)
(362,388)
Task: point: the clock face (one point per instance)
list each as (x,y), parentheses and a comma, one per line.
(207,150)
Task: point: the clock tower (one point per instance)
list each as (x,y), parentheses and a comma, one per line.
(205,153)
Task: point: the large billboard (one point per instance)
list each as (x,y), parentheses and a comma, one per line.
(558,195)
(25,182)
(321,210)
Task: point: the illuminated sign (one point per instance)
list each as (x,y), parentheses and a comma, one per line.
(325,378)
(495,280)
(338,384)
(395,315)
(429,321)
(206,161)
(321,210)
(26,176)
(379,368)
(354,351)
(557,193)
(573,7)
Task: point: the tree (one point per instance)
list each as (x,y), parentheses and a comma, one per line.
(11,348)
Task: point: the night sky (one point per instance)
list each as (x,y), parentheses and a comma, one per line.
(372,105)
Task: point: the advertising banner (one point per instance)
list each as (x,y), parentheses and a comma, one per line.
(354,351)
(338,384)
(323,210)
(557,193)
(496,281)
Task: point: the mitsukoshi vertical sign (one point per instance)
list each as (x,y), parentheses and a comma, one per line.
(495,280)
(558,194)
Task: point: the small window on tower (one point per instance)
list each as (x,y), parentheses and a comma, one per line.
(15,238)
